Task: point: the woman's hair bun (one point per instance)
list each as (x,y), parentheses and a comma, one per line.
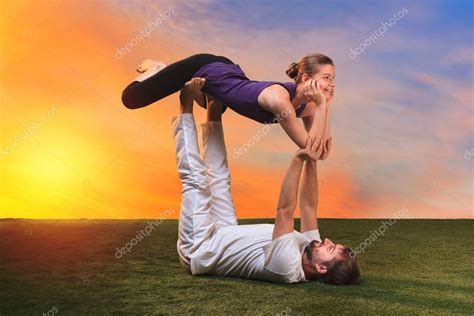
(292,70)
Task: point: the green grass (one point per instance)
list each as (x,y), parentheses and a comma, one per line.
(417,267)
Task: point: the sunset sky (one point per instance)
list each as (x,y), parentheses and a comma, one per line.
(402,119)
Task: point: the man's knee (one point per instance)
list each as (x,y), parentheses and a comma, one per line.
(221,181)
(194,179)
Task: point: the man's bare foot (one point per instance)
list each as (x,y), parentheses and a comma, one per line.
(188,93)
(152,64)
(200,99)
(214,109)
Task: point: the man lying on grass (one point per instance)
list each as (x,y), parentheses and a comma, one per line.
(211,242)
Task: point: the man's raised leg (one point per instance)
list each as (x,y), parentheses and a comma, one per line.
(195,223)
(215,156)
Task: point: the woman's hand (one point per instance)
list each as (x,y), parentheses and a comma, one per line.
(312,92)
(312,151)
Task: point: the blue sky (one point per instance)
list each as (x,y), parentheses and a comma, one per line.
(403,106)
(402,119)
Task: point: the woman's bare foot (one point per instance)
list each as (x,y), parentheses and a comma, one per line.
(150,64)
(214,109)
(188,93)
(148,68)
(200,99)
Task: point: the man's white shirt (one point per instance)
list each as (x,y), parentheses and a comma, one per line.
(247,251)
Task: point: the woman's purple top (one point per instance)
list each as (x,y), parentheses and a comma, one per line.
(228,84)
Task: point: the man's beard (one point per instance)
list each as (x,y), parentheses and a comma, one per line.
(309,249)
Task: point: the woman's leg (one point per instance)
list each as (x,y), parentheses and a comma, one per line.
(166,81)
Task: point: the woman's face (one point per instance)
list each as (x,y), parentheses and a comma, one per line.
(325,77)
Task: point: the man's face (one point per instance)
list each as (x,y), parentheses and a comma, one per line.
(320,253)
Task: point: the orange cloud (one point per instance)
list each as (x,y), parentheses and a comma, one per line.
(95,158)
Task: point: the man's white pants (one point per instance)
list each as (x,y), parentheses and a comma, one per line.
(206,201)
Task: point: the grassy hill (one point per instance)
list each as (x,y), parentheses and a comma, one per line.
(71,267)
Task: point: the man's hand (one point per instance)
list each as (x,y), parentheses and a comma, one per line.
(312,151)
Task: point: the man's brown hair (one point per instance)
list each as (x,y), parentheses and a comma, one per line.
(343,270)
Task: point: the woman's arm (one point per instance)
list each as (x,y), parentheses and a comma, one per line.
(325,132)
(312,93)
(294,130)
(276,100)
(327,136)
(308,121)
(320,119)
